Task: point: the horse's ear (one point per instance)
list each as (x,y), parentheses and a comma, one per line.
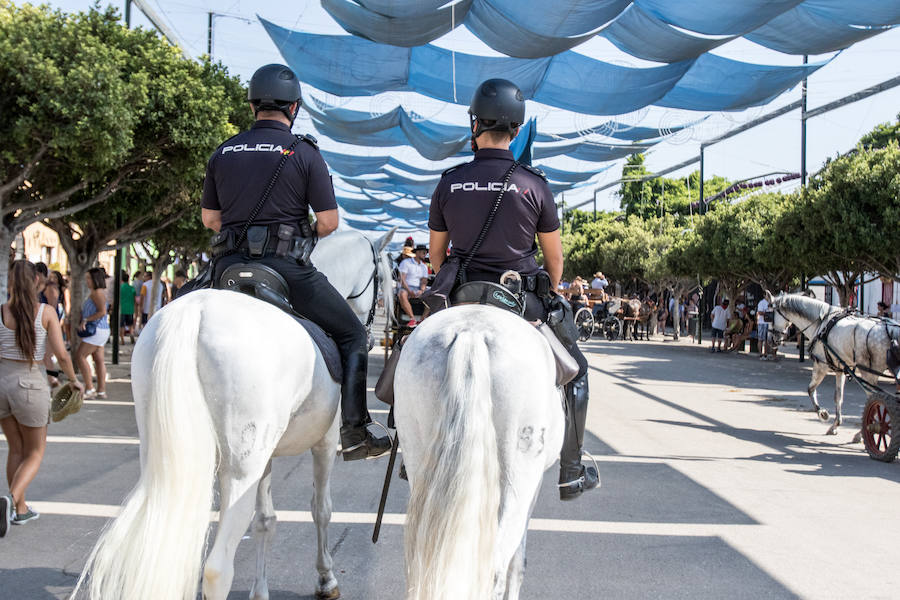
(384,240)
(769,297)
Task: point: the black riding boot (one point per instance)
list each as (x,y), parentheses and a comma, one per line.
(574,478)
(357,442)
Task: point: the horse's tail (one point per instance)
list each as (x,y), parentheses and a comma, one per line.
(154,548)
(451,522)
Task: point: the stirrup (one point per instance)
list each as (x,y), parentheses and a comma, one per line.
(581,479)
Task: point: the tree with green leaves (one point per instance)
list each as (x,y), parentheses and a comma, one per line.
(67,115)
(111,129)
(661,196)
(881,135)
(848,217)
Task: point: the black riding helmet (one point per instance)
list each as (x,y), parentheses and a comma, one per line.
(274,87)
(498,105)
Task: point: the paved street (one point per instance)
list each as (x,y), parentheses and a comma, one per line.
(717,483)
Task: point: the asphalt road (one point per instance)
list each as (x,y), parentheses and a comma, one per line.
(717,483)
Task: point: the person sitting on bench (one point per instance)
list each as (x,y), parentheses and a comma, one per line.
(413,280)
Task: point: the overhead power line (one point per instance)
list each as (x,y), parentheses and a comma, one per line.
(854,97)
(166,31)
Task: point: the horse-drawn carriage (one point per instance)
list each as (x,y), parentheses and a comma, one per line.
(849,346)
(611,318)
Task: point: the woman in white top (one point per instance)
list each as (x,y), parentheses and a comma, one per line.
(93,331)
(25,330)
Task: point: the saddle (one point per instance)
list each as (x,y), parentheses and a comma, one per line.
(266,284)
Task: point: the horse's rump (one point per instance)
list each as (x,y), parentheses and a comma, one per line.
(480,419)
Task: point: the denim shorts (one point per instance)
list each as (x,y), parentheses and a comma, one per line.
(762,332)
(717,333)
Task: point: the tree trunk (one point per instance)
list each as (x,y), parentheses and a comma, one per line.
(678,290)
(159,265)
(6,240)
(82,254)
(843,282)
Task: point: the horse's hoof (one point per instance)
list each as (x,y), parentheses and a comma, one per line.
(856,438)
(332,594)
(823,414)
(832,431)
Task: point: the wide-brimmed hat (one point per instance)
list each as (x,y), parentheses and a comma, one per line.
(408,252)
(598,274)
(66,401)
(421,247)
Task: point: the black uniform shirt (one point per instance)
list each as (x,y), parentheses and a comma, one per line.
(464,198)
(241,168)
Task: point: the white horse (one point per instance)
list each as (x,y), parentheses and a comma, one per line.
(861,343)
(223,383)
(356,267)
(481,420)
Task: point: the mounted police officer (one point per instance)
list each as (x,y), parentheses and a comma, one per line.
(460,206)
(282,237)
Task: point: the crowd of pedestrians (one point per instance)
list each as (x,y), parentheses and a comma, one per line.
(36,335)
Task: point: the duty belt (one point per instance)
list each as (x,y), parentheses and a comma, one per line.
(280,240)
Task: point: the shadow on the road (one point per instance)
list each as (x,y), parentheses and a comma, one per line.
(35,583)
(829,459)
(626,567)
(273,595)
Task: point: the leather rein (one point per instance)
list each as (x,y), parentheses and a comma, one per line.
(372,278)
(823,329)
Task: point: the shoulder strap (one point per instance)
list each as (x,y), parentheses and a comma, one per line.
(255,212)
(309,139)
(535,170)
(453,168)
(490,219)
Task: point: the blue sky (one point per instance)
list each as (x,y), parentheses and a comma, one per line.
(241,44)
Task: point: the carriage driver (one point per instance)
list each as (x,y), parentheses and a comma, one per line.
(459,207)
(236,177)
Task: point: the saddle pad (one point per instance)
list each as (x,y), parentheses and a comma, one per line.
(487,293)
(326,346)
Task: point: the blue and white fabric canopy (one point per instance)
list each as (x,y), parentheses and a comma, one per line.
(435,140)
(659,30)
(350,66)
(389,51)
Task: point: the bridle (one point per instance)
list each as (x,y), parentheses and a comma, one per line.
(778,336)
(373,278)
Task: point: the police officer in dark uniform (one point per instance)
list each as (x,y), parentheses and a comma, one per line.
(459,207)
(236,177)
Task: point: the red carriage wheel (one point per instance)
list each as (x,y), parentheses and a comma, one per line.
(881,427)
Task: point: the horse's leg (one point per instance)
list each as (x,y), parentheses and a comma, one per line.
(857,437)
(839,379)
(512,530)
(516,571)
(323,460)
(237,499)
(818,375)
(263,532)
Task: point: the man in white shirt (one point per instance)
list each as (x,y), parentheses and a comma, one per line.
(599,282)
(719,323)
(148,307)
(762,328)
(413,280)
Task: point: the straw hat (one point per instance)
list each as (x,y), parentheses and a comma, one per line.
(66,401)
(408,252)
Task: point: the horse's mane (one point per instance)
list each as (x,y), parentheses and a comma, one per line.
(803,305)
